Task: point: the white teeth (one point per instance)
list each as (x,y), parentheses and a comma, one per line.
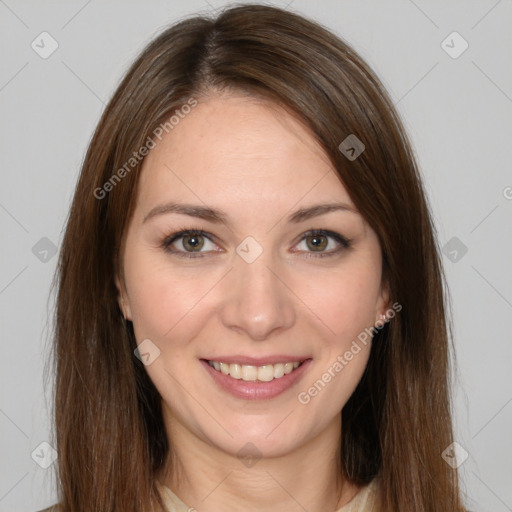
(264,373)
(288,367)
(278,370)
(249,372)
(235,370)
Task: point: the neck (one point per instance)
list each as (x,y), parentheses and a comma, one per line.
(210,479)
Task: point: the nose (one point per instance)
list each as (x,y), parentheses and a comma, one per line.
(257,302)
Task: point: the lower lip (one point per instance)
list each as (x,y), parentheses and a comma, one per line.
(256,390)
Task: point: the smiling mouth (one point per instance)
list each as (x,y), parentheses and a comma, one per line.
(265,373)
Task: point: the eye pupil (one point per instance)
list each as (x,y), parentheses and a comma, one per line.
(193,242)
(319,242)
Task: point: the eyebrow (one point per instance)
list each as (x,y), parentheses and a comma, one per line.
(218,216)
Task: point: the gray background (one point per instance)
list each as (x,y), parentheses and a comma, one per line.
(457,112)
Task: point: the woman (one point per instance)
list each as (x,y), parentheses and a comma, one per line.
(250,307)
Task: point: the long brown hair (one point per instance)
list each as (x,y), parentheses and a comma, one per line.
(110,435)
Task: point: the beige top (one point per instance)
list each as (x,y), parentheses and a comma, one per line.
(363,501)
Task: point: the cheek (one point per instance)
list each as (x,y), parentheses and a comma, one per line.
(346,303)
(165,301)
(343,374)
(344,300)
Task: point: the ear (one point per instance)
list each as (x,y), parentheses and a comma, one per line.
(383,304)
(122,298)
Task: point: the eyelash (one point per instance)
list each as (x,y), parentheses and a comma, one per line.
(345,243)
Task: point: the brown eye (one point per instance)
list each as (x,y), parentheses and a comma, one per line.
(192,242)
(189,243)
(316,242)
(319,243)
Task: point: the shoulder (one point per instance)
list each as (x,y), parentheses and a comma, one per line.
(365,500)
(53,508)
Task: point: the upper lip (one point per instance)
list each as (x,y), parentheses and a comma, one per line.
(258,361)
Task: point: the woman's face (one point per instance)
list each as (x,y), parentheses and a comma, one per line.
(256,291)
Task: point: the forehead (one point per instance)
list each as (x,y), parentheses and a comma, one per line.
(241,149)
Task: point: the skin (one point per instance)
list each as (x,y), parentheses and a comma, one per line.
(258,164)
